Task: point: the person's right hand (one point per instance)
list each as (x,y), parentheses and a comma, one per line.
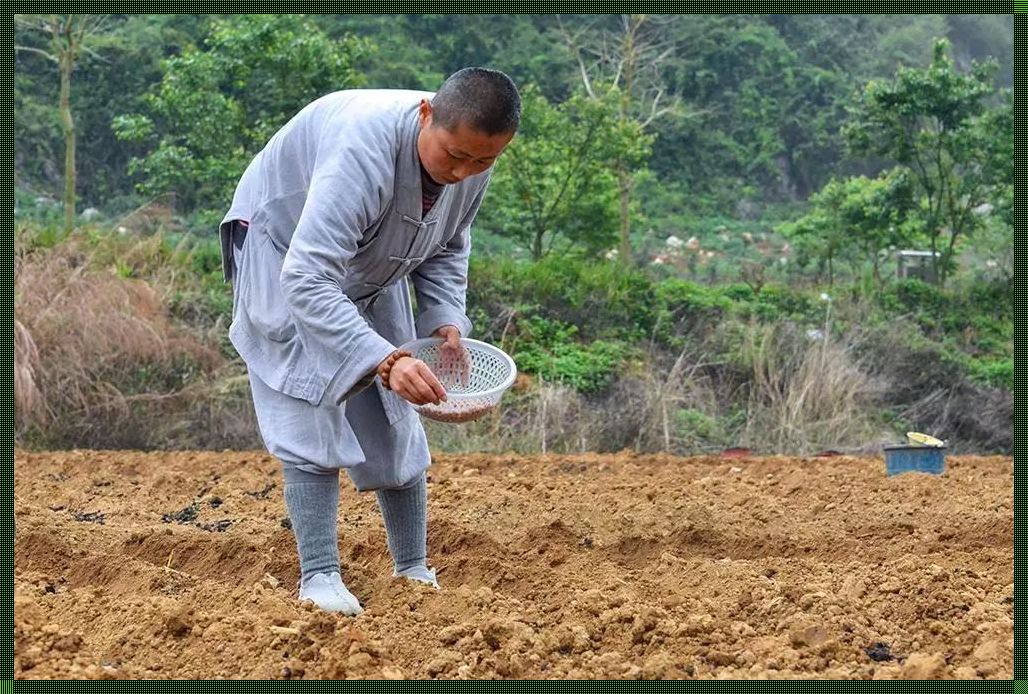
(413,381)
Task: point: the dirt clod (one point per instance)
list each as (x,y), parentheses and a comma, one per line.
(186,515)
(879,652)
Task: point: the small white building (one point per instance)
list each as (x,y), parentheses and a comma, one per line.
(916,264)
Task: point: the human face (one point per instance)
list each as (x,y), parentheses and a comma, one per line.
(450,157)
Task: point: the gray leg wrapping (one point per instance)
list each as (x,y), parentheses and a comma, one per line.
(313,503)
(405,514)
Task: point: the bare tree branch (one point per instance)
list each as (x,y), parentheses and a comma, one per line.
(616,79)
(585,78)
(30,49)
(572,42)
(653,109)
(35,22)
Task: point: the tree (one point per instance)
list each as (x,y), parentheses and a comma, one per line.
(628,57)
(217,106)
(855,219)
(767,94)
(65,38)
(930,121)
(555,185)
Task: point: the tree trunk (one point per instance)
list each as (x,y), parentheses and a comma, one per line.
(625,195)
(537,244)
(68,124)
(936,265)
(628,50)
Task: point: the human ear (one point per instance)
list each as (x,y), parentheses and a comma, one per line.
(425,113)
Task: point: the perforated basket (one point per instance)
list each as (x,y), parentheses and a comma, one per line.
(492,373)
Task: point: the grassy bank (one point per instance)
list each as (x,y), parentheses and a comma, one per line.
(121,342)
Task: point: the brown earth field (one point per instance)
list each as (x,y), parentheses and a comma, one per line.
(183,565)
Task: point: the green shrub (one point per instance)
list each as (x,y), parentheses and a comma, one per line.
(683,305)
(696,428)
(608,301)
(738,292)
(549,349)
(991,371)
(683,296)
(914,295)
(775,303)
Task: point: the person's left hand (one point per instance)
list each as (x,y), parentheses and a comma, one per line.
(454,361)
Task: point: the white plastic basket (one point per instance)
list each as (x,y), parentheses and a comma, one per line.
(492,373)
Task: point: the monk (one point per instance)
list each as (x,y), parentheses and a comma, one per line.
(360,199)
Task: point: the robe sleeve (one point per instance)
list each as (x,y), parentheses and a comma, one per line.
(441,282)
(346,195)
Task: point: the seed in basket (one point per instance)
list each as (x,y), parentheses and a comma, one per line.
(455,416)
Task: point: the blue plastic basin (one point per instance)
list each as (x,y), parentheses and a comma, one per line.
(899,459)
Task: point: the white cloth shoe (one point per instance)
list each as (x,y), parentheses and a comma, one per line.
(328,592)
(422,574)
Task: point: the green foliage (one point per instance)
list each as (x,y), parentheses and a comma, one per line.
(682,296)
(914,295)
(697,428)
(40,211)
(997,372)
(682,305)
(548,349)
(762,96)
(978,321)
(121,64)
(606,300)
(932,122)
(216,107)
(776,303)
(854,220)
(767,97)
(554,187)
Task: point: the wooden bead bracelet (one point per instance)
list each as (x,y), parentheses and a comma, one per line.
(385,367)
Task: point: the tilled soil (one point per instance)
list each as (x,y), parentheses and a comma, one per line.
(183,565)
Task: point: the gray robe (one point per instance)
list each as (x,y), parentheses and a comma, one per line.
(321,287)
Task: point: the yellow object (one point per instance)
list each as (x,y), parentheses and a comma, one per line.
(925,439)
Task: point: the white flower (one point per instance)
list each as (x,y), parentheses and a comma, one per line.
(825,297)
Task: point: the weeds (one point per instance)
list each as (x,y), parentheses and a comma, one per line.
(121,341)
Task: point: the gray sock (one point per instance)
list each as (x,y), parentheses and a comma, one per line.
(313,503)
(405,514)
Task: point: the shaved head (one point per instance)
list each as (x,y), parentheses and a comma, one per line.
(482,99)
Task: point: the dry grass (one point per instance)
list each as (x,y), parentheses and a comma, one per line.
(28,400)
(638,413)
(931,394)
(808,394)
(97,349)
(802,396)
